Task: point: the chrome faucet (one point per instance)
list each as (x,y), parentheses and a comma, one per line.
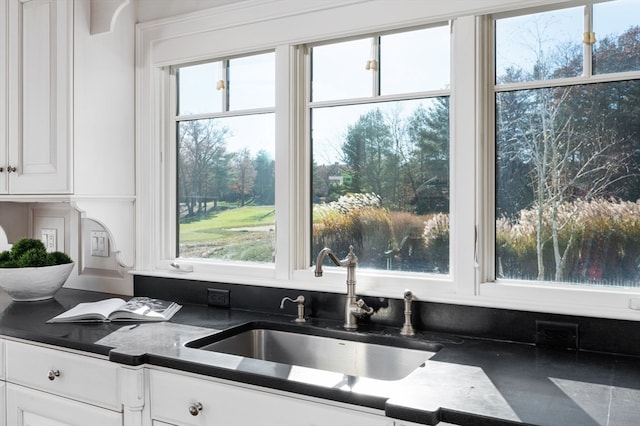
(353,308)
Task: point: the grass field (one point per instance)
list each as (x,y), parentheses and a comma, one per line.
(243,234)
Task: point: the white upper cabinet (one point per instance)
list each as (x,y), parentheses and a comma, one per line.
(35,152)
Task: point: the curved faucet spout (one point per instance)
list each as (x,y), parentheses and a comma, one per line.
(325,252)
(350,260)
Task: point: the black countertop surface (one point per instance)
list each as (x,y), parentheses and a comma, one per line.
(469,381)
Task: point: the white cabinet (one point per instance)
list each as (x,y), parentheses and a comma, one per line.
(49,386)
(45,385)
(177,399)
(26,406)
(3,387)
(36,146)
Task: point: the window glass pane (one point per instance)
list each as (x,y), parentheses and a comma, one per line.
(381,183)
(617,29)
(252,82)
(197,92)
(339,70)
(226,188)
(568,191)
(540,46)
(414,61)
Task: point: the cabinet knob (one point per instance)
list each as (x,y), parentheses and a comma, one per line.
(1,169)
(11,169)
(53,374)
(195,408)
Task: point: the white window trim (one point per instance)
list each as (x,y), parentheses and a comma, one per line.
(560,298)
(281,25)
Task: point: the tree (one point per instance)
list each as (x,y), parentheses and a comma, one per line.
(265,178)
(367,145)
(428,170)
(567,140)
(201,160)
(244,175)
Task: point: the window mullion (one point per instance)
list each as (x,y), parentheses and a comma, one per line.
(463,156)
(588,47)
(375,70)
(225,87)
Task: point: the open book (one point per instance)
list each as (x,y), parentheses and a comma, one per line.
(136,309)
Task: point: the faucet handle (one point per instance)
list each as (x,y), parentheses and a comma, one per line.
(300,301)
(367,310)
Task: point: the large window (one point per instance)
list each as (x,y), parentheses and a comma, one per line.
(568,145)
(490,161)
(379,112)
(225,159)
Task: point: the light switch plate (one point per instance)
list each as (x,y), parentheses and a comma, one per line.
(49,238)
(99,244)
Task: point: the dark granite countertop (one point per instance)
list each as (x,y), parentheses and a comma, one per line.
(469,381)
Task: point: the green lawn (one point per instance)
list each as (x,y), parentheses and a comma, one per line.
(242,234)
(222,224)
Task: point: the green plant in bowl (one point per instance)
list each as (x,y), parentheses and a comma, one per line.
(29,273)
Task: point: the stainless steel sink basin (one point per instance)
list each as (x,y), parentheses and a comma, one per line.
(331,351)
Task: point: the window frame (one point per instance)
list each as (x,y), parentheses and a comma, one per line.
(225,112)
(284,27)
(576,299)
(374,97)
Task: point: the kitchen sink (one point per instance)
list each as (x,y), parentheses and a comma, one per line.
(323,349)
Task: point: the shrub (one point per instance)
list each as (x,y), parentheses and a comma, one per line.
(374,232)
(436,241)
(358,220)
(603,239)
(29,252)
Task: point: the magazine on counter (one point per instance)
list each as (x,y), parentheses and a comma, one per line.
(116,309)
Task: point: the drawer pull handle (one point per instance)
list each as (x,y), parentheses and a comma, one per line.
(195,408)
(53,374)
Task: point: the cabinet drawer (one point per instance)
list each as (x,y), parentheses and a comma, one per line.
(174,396)
(82,378)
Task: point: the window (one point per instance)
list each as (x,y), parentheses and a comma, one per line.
(567,99)
(432,171)
(225,159)
(379,113)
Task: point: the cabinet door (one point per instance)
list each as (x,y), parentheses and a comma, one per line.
(40,82)
(28,407)
(3,398)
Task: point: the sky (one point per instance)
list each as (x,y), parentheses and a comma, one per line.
(518,38)
(339,71)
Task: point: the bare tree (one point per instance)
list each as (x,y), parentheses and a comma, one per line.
(201,147)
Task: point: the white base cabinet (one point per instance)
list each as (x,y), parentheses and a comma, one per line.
(29,407)
(41,385)
(46,386)
(181,400)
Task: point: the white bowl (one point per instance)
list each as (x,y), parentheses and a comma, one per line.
(31,284)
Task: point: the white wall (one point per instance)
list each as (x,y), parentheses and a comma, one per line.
(148,10)
(104,121)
